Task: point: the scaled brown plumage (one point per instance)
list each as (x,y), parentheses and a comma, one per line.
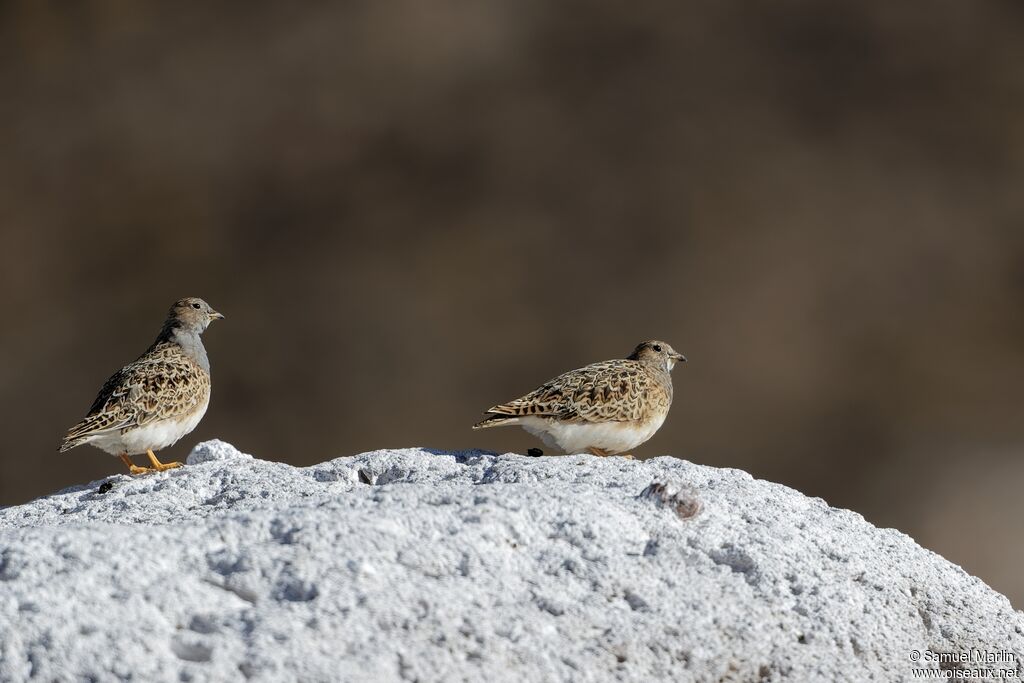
(155,400)
(603,408)
(162,384)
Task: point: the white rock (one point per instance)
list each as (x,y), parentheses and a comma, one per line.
(471,566)
(208,451)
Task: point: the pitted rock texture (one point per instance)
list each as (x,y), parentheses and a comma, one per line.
(424,565)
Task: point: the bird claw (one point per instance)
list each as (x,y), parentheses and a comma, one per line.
(601,453)
(158,466)
(161,466)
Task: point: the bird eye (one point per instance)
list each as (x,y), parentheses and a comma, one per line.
(657,347)
(196,306)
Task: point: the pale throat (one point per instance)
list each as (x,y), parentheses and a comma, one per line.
(192,346)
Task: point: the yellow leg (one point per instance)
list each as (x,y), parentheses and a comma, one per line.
(132,467)
(161,466)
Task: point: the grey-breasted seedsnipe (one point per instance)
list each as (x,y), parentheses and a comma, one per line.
(605,408)
(152,402)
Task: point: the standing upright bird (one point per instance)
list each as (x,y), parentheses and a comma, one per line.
(606,408)
(152,402)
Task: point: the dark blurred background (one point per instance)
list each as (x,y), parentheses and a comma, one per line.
(411,211)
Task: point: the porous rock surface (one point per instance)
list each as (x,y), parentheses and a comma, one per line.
(424,565)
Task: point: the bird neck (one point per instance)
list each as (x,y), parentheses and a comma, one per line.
(661,372)
(655,365)
(188,339)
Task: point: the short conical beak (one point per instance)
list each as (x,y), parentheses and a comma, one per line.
(680,358)
(214,315)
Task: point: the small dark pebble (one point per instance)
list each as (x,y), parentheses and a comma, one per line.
(364,477)
(535,452)
(105,487)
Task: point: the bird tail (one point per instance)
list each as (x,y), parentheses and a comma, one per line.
(69,442)
(83,432)
(496,421)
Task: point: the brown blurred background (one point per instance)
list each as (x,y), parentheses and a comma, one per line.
(411,211)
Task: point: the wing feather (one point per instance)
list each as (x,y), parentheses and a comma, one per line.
(610,391)
(164,383)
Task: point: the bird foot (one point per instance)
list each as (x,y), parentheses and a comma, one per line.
(601,453)
(161,466)
(158,466)
(134,469)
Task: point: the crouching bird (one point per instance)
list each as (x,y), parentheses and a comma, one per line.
(152,402)
(606,408)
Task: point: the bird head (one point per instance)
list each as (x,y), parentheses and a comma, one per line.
(193,313)
(657,353)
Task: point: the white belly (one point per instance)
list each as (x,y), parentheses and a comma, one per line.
(613,437)
(153,436)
